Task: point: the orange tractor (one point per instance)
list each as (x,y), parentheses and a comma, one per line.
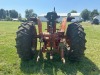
(68,40)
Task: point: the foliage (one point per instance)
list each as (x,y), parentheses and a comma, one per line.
(94,13)
(19,17)
(13,13)
(73,11)
(29,13)
(85,14)
(2,14)
(7,14)
(8,18)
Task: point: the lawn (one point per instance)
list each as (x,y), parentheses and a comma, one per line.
(10,64)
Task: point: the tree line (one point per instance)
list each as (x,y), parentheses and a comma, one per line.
(9,14)
(87,14)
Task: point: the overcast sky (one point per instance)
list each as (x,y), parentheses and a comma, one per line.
(43,6)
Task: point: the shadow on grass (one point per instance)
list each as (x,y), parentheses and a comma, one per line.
(56,67)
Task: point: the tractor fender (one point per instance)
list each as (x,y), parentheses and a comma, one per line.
(63,25)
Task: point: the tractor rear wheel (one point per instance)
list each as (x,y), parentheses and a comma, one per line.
(26,41)
(76,36)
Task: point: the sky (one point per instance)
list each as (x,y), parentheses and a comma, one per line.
(44,6)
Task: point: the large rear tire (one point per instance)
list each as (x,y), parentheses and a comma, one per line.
(76,36)
(26,41)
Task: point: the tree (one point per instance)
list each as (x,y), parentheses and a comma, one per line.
(13,13)
(94,13)
(2,14)
(73,11)
(86,14)
(19,17)
(7,13)
(29,13)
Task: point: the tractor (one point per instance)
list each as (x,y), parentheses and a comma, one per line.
(67,40)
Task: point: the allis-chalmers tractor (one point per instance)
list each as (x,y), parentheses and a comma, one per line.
(68,40)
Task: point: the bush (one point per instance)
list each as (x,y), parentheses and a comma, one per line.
(8,18)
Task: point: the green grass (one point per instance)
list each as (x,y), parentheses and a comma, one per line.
(10,64)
